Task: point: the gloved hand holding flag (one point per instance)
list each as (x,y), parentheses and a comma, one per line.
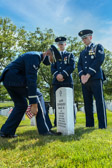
(28,112)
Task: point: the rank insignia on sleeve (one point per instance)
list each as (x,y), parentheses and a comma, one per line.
(36,68)
(101,51)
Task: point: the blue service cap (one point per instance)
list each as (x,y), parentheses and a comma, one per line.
(55,52)
(85,33)
(60,40)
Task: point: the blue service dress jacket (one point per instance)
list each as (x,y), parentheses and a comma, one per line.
(90,61)
(64,66)
(23,73)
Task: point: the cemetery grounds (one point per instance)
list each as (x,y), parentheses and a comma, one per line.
(87,148)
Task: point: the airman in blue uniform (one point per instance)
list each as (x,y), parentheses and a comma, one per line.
(63,68)
(91,76)
(20,80)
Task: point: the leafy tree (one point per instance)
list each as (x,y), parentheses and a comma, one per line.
(7,47)
(45,77)
(8,33)
(3,93)
(14,42)
(107,68)
(22,38)
(76,46)
(40,41)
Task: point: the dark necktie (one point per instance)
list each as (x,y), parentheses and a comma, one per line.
(62,53)
(87,48)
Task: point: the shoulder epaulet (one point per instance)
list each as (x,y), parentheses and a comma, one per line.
(96,46)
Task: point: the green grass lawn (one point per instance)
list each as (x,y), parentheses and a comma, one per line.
(87,148)
(6,104)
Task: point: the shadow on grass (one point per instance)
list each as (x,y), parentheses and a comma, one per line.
(24,125)
(43,140)
(82,130)
(39,140)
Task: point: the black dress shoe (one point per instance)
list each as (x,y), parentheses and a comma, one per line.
(56,133)
(47,133)
(7,135)
(52,133)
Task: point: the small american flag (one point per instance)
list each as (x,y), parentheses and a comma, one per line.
(28,112)
(10,110)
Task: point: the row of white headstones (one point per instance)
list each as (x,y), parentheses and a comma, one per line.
(65,111)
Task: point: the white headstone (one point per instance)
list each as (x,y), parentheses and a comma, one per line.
(33,121)
(94,108)
(65,112)
(50,110)
(7,112)
(75,108)
(23,117)
(109,105)
(82,109)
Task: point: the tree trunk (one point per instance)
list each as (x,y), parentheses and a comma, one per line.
(52,97)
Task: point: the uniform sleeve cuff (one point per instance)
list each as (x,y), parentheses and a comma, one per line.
(80,73)
(65,74)
(33,100)
(91,71)
(55,74)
